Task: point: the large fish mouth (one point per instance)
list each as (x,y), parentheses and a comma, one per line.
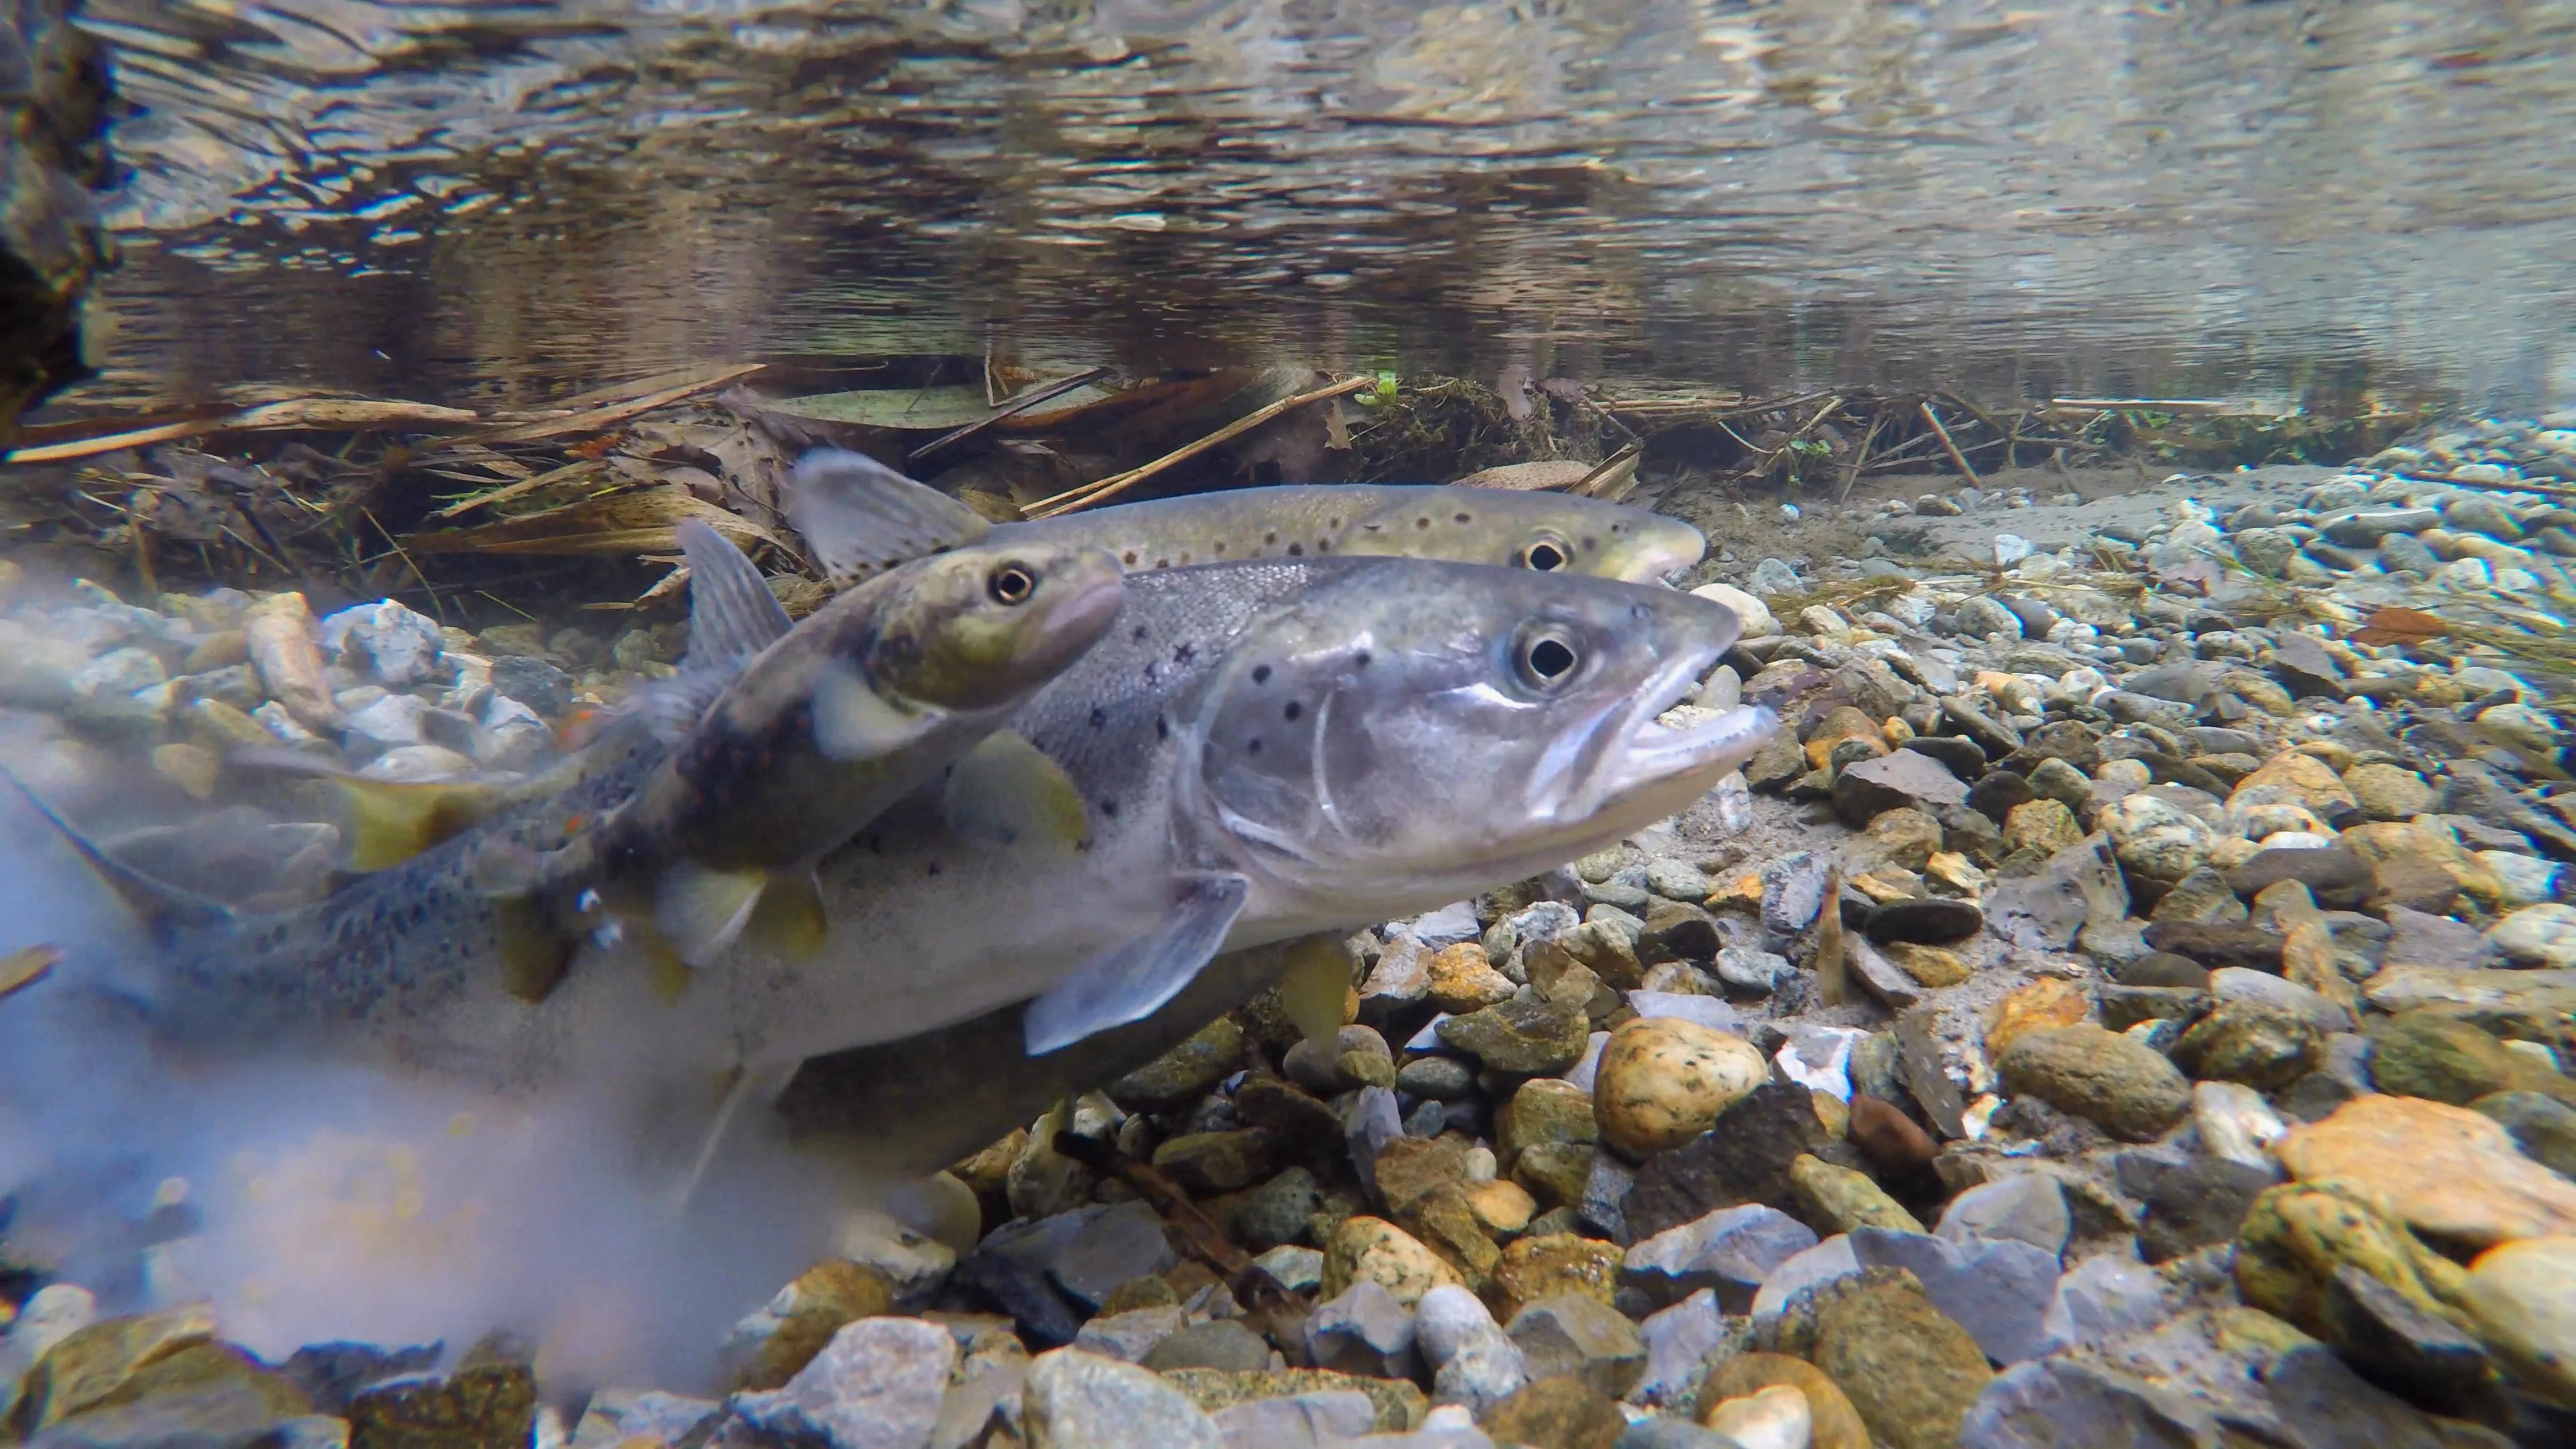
(1650,753)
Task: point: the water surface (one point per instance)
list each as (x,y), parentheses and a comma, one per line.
(499,200)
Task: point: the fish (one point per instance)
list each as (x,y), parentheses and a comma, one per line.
(449,961)
(1257,751)
(787,738)
(860,517)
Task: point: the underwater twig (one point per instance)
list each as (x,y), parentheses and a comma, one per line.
(1091,493)
(519,489)
(414,564)
(1022,403)
(2543,489)
(1950,446)
(1860,455)
(598,418)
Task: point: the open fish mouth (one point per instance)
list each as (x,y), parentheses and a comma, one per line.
(1653,753)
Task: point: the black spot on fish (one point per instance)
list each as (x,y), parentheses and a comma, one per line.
(1465,518)
(1162,563)
(1363,659)
(1162,728)
(1254,745)
(1269,538)
(1109,808)
(1423,522)
(1184,653)
(1334,524)
(1261,674)
(1294,709)
(1323,545)
(1099,718)
(1130,558)
(1640,612)
(1296,550)
(1140,633)
(1592,543)
(932,869)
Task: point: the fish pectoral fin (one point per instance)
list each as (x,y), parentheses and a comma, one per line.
(1006,792)
(1130,982)
(703,911)
(534,955)
(854,722)
(861,518)
(1318,985)
(755,1084)
(789,918)
(389,824)
(732,613)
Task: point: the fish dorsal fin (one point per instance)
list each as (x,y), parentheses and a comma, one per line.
(1132,981)
(163,906)
(1007,793)
(861,518)
(732,613)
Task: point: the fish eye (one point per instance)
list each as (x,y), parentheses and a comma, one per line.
(1545,555)
(1547,658)
(1010,584)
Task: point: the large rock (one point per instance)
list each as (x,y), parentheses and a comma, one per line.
(1729,1252)
(2521,1298)
(1373,1250)
(1362,1331)
(1999,1291)
(1548,1264)
(2421,1055)
(1837,1424)
(2320,1256)
(2059,1403)
(1579,1335)
(1894,781)
(487,1403)
(2130,1090)
(1662,1081)
(2444,1171)
(877,1385)
(1908,1369)
(1076,1400)
(1744,1158)
(1557,1413)
(2077,888)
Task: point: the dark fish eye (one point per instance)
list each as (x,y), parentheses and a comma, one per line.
(1547,658)
(1010,584)
(1545,556)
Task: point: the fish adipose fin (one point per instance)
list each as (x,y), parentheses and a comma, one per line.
(861,518)
(1006,792)
(164,907)
(1131,982)
(732,616)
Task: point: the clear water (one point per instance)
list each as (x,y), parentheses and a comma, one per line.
(495,200)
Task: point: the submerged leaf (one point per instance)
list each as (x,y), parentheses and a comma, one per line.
(640,520)
(2395,625)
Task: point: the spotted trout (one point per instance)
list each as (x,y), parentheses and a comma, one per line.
(787,740)
(1256,751)
(861,517)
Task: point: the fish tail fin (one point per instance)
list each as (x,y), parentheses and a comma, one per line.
(163,907)
(861,518)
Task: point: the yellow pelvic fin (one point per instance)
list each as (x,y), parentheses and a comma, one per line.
(1317,989)
(534,955)
(24,968)
(389,824)
(1006,792)
(854,722)
(789,919)
(702,911)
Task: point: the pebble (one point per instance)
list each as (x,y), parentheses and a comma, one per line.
(1076,1400)
(1909,1370)
(1834,1422)
(2521,1299)
(2130,1090)
(2028,1208)
(1776,1417)
(1578,1335)
(1729,1253)
(1663,1080)
(879,1381)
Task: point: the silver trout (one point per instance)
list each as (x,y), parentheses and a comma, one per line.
(1256,751)
(790,739)
(861,517)
(450,960)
